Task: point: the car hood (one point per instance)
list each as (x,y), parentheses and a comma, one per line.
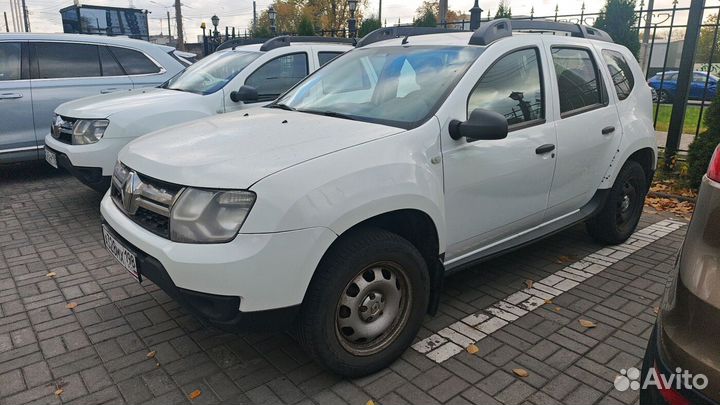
(106,105)
(235,150)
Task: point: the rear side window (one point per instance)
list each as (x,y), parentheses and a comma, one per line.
(110,66)
(511,87)
(278,75)
(10,61)
(66,60)
(578,81)
(325,57)
(622,76)
(134,62)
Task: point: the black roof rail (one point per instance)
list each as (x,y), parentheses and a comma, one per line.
(504,27)
(232,43)
(286,40)
(381,34)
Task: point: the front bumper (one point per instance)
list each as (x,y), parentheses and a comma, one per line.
(101,155)
(263,272)
(89,176)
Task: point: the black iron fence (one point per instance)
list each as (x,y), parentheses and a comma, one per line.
(662,33)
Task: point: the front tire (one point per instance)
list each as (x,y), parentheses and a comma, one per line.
(365,303)
(622,210)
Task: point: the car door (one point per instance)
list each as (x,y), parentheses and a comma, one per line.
(588,126)
(278,74)
(17,134)
(697,87)
(497,188)
(64,71)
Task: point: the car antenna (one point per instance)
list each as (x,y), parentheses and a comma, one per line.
(405,40)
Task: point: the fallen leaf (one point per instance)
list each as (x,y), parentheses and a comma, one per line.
(51,274)
(548,302)
(656,310)
(194,394)
(472,349)
(58,392)
(565,259)
(557,309)
(151,354)
(71,305)
(370,402)
(529,283)
(521,372)
(587,324)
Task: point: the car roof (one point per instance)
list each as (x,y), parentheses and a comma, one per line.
(460,38)
(95,39)
(256,47)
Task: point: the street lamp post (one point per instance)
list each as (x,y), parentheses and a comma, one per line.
(352,23)
(205,40)
(272,14)
(475,15)
(215,34)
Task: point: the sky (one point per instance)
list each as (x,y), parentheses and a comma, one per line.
(44,15)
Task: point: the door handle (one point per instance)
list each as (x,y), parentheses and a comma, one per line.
(608,130)
(110,90)
(10,96)
(543,149)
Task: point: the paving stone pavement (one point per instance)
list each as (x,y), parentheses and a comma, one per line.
(97,352)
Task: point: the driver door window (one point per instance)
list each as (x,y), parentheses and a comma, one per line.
(513,88)
(278,75)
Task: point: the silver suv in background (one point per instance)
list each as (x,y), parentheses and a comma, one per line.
(38,72)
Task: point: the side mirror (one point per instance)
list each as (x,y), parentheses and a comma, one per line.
(246,94)
(482,124)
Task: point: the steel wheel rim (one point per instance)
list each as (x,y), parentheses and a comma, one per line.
(627,205)
(373,309)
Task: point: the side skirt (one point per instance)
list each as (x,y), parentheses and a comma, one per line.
(540,232)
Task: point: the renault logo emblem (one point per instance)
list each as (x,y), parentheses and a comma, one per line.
(131,192)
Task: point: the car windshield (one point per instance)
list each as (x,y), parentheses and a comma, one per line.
(211,73)
(398,86)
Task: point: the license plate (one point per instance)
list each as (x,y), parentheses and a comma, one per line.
(51,158)
(121,253)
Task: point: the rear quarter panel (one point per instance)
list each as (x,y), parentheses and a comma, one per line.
(635,112)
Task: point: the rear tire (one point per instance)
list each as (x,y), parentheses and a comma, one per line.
(622,210)
(365,303)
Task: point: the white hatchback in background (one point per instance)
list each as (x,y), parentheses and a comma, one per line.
(339,207)
(88,133)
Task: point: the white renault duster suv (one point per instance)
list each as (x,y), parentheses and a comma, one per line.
(338,209)
(87,134)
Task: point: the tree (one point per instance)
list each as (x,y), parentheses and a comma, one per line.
(504,10)
(426,20)
(305,26)
(322,14)
(707,42)
(368,25)
(701,149)
(618,19)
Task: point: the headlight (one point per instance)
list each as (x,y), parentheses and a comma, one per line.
(209,216)
(88,131)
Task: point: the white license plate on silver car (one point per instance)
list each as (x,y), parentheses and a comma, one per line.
(51,158)
(121,253)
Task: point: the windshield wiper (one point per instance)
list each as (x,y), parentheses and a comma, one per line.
(330,114)
(281,106)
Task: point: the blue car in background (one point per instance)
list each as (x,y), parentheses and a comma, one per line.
(666,94)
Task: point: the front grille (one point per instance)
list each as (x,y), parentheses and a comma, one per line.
(62,129)
(144,200)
